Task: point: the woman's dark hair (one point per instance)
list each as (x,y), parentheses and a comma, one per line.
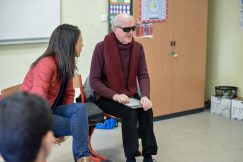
(24,120)
(62,46)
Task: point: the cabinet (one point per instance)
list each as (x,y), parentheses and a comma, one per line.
(177,83)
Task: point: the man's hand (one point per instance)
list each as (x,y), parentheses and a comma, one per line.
(121,98)
(146,103)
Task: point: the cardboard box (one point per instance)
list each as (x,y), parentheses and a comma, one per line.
(221,106)
(237,108)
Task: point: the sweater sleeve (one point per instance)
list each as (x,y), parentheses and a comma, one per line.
(96,73)
(143,77)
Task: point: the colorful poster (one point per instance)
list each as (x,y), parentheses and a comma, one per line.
(120,1)
(153,10)
(119,8)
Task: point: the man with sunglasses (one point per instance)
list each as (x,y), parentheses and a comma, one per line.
(118,63)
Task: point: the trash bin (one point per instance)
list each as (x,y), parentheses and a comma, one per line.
(228,92)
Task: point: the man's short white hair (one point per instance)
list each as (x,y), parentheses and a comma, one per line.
(117,20)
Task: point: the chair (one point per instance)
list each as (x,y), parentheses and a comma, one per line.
(10,90)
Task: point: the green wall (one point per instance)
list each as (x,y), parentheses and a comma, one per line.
(15,60)
(225,46)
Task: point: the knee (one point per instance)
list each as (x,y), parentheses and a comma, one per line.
(80,109)
(130,114)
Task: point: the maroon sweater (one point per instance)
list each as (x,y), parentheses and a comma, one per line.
(98,74)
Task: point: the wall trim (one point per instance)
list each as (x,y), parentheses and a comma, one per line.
(188,112)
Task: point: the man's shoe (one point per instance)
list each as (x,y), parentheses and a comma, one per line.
(131,160)
(148,159)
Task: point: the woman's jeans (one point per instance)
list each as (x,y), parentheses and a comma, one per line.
(71,119)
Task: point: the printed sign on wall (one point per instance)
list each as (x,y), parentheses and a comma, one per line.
(153,10)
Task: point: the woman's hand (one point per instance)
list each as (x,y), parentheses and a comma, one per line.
(121,98)
(146,103)
(58,140)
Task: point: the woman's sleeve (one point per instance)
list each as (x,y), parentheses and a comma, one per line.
(42,76)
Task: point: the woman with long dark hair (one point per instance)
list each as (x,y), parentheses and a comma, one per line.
(50,76)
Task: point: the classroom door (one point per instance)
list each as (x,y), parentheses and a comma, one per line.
(189,33)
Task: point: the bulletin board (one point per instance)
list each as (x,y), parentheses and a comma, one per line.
(119,6)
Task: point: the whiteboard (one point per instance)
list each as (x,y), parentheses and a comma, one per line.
(24,21)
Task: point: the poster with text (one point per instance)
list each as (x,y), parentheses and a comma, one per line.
(153,10)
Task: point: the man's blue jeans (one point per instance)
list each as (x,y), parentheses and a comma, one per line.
(72,119)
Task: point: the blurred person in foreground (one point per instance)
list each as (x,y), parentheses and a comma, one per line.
(25,128)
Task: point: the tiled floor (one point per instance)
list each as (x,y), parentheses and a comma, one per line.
(201,137)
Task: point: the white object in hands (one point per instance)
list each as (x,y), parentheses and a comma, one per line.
(134,103)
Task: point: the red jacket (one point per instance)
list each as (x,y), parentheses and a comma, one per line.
(42,80)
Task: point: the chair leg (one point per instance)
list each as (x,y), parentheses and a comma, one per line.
(139,153)
(95,159)
(94,155)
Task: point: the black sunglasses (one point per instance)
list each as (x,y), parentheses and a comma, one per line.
(127,29)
